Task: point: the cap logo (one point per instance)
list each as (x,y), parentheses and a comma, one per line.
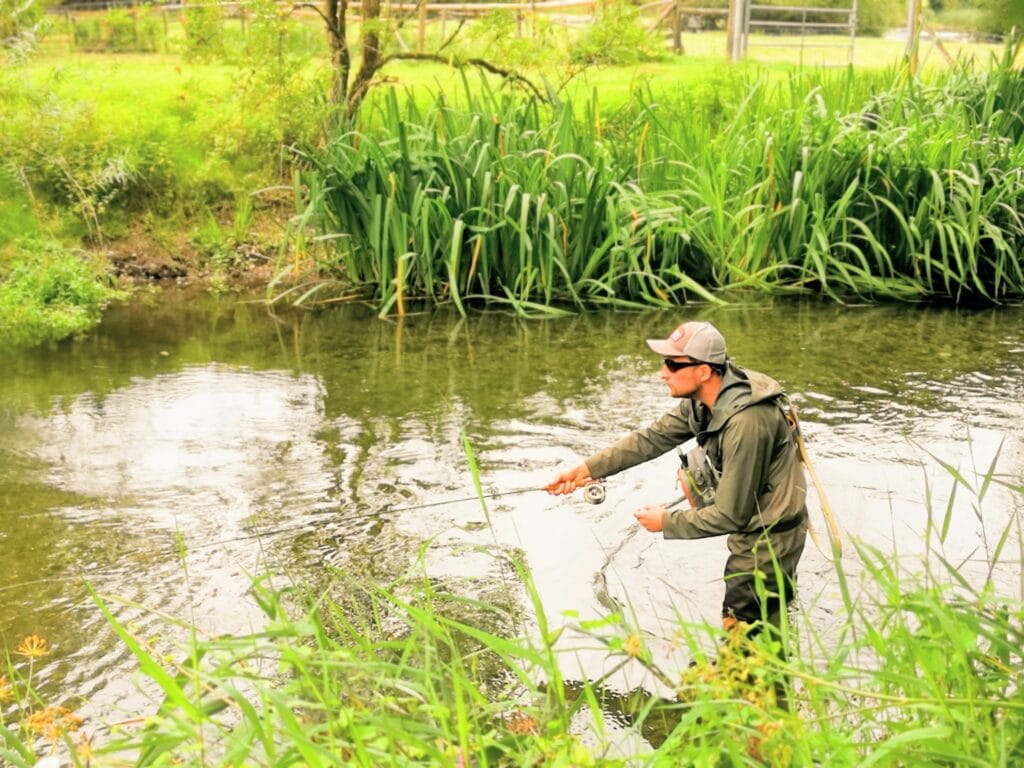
(677,334)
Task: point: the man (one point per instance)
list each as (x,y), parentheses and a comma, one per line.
(737,417)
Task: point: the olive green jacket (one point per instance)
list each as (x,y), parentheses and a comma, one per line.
(748,440)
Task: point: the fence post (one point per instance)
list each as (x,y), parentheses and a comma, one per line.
(677,27)
(913,34)
(421,40)
(734,30)
(730,31)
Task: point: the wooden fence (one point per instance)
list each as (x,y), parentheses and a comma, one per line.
(667,17)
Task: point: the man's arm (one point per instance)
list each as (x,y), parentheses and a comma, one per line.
(747,442)
(645,444)
(660,436)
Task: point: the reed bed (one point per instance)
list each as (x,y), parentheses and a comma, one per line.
(855,187)
(921,667)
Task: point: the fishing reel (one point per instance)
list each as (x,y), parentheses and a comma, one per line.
(594,493)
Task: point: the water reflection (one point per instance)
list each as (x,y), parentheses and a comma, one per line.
(182,448)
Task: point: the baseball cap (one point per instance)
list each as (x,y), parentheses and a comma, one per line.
(696,340)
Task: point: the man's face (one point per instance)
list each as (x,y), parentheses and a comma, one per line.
(683,376)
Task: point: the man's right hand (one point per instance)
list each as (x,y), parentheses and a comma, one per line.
(569,480)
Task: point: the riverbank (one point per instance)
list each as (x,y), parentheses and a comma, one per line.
(178,171)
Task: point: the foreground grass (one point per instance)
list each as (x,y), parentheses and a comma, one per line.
(920,668)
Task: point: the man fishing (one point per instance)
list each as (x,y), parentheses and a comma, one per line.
(747,444)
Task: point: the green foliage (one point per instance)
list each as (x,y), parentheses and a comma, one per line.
(283,99)
(118,30)
(22,23)
(1001,16)
(505,38)
(617,36)
(855,188)
(917,666)
(204,31)
(49,293)
(876,17)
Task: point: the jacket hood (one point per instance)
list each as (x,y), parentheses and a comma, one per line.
(741,389)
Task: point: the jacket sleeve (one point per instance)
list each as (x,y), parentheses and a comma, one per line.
(660,436)
(747,441)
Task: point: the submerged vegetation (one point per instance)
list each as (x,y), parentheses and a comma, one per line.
(865,188)
(919,668)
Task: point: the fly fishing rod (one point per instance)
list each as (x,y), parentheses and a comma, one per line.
(593,493)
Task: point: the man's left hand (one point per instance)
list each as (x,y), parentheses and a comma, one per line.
(649,516)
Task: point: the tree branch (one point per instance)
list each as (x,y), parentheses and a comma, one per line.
(494,69)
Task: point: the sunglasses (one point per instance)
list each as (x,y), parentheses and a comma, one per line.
(675,365)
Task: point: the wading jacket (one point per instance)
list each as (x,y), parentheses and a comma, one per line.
(746,437)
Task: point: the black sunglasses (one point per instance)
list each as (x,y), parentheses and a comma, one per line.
(675,365)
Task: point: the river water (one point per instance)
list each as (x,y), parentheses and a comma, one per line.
(192,443)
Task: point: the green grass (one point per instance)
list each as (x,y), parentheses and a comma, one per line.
(858,187)
(918,666)
(150,146)
(48,293)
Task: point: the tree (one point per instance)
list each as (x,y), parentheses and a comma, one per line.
(1001,16)
(350,90)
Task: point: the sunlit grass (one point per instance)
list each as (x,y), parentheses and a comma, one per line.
(858,187)
(917,667)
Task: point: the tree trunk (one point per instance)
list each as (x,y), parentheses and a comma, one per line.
(372,59)
(341,57)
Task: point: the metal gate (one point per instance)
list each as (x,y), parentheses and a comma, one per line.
(804,21)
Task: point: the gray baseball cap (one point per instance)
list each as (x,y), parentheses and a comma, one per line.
(696,340)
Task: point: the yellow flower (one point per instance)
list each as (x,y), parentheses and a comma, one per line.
(51,722)
(522,723)
(633,646)
(6,691)
(32,647)
(84,748)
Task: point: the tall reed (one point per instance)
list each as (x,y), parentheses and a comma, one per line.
(847,186)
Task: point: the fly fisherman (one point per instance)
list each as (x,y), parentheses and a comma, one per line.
(738,419)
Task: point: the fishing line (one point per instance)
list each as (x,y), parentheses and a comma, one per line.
(590,496)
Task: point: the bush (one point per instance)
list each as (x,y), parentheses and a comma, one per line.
(50,293)
(617,36)
(21,24)
(495,35)
(204,31)
(119,30)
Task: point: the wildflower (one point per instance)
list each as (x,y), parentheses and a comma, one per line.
(6,691)
(33,647)
(84,748)
(51,722)
(522,723)
(633,646)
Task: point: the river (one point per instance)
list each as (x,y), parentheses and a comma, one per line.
(193,442)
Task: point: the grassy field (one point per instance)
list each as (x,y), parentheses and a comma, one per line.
(183,158)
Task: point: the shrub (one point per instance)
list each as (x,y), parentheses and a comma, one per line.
(119,30)
(21,24)
(617,36)
(204,31)
(50,293)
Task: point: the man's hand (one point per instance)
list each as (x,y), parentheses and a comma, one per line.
(569,480)
(650,517)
